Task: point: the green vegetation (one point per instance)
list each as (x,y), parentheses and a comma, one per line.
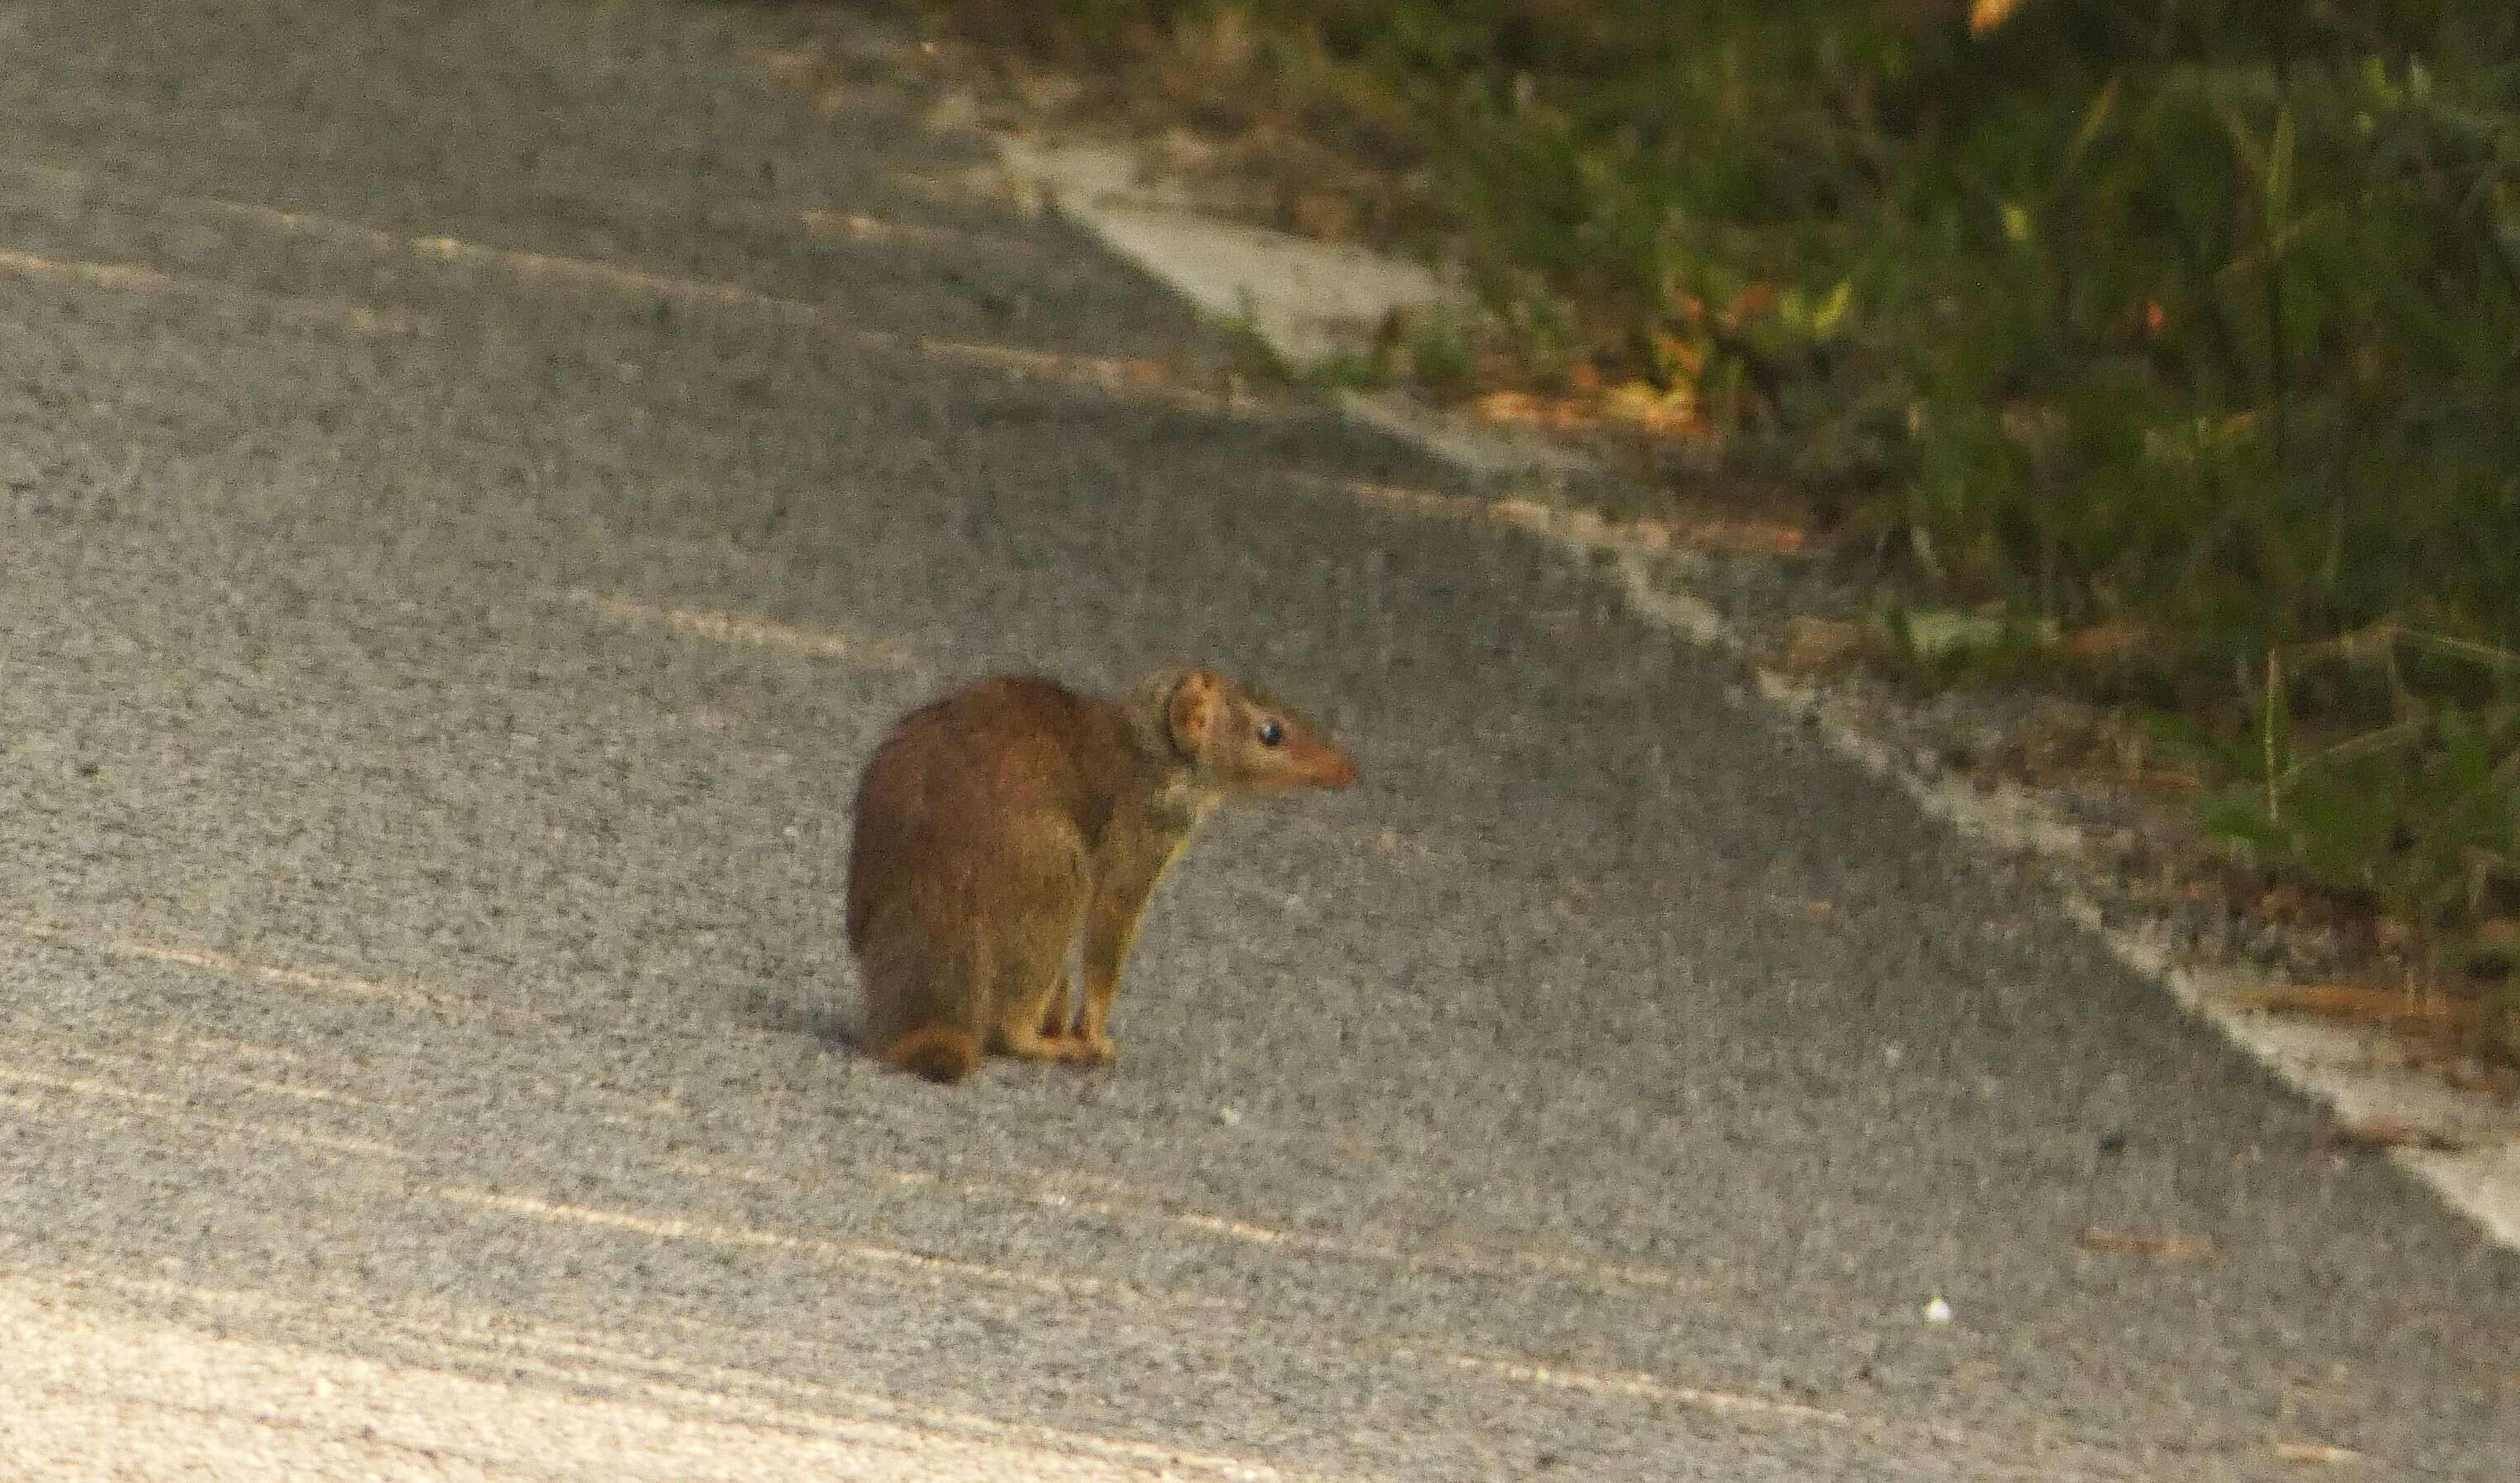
(2194,320)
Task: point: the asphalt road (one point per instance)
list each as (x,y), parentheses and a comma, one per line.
(476,480)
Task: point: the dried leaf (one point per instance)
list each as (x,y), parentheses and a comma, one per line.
(1747,537)
(1815,643)
(2111,641)
(2387,1133)
(1753,302)
(1986,15)
(1644,405)
(1524,407)
(2352,1001)
(1685,357)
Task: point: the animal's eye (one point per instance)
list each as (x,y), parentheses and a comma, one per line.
(1271,734)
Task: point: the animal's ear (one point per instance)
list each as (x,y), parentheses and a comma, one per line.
(1191,714)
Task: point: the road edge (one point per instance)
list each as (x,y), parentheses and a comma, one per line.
(1278,292)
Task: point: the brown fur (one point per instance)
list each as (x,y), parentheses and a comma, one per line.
(998,826)
(940,1053)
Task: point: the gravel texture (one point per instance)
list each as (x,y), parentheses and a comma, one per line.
(474,483)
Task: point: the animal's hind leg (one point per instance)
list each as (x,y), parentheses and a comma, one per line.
(1055,1006)
(1035,1024)
(1039,896)
(1033,995)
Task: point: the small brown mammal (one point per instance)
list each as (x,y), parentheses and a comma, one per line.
(998,825)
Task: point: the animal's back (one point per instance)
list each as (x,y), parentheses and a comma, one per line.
(961,778)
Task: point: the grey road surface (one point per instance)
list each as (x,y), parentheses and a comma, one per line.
(476,480)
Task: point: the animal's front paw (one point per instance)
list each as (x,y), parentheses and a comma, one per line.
(1091,1048)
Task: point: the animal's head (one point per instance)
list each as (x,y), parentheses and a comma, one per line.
(1244,740)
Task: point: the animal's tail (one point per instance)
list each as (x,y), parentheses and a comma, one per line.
(940,1053)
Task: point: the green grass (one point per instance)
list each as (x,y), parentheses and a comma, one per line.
(2196,317)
